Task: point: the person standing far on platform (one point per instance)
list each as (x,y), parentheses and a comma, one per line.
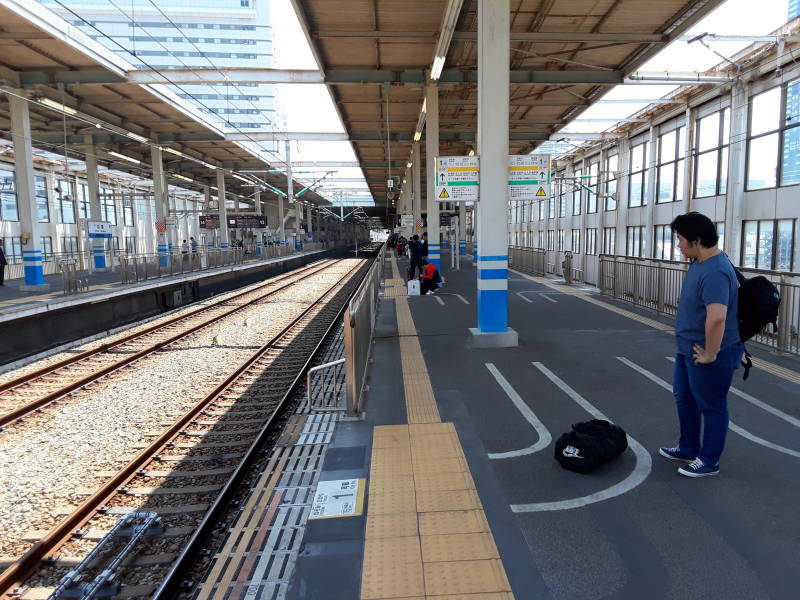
(3,263)
(193,243)
(425,244)
(415,257)
(185,247)
(709,349)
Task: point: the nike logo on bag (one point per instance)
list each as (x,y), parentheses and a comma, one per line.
(571,452)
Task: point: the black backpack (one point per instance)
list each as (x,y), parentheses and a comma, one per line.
(759,301)
(589,445)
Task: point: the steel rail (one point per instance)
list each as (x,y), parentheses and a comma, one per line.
(61,533)
(22,411)
(172,580)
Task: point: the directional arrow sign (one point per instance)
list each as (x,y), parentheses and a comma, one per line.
(457,178)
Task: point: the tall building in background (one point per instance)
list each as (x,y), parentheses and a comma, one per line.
(790,170)
(190,33)
(794,9)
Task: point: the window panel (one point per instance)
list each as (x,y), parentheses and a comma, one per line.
(726,126)
(666,187)
(721,235)
(576,241)
(723,171)
(668,146)
(708,132)
(682,142)
(42,207)
(560,240)
(790,172)
(46,246)
(765,111)
(765,242)
(636,189)
(749,244)
(785,243)
(762,162)
(591,241)
(8,197)
(706,184)
(680,167)
(637,158)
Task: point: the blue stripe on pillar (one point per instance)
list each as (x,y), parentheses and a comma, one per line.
(496,257)
(492,310)
(493,274)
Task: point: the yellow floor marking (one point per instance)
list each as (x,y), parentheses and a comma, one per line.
(758,363)
(427,535)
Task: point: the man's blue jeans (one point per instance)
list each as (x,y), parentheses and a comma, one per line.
(701,393)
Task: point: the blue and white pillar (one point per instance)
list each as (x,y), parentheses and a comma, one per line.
(26,195)
(462,229)
(224,240)
(160,196)
(431,154)
(93,187)
(493,97)
(416,192)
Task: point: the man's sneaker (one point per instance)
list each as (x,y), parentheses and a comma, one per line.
(674,454)
(697,468)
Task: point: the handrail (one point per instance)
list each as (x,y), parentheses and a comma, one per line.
(310,387)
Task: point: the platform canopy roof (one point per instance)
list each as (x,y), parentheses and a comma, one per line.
(376,56)
(78,87)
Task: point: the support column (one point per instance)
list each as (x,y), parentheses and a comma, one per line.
(736,172)
(26,195)
(431,153)
(416,199)
(462,229)
(209,212)
(259,232)
(289,194)
(159,193)
(493,99)
(309,224)
(93,187)
(223,210)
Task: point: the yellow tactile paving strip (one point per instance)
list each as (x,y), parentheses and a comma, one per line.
(758,363)
(427,536)
(396,286)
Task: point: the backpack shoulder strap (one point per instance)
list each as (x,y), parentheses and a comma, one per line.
(747,363)
(739,277)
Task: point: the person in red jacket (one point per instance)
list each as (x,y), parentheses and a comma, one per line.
(429,279)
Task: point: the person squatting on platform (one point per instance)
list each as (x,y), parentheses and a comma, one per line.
(429,278)
(708,347)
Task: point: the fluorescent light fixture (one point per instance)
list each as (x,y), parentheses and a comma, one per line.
(436,69)
(172,151)
(408,165)
(209,165)
(240,178)
(181,177)
(58,106)
(137,137)
(417,135)
(123,157)
(424,105)
(471,152)
(215,188)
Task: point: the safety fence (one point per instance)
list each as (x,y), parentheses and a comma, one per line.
(140,267)
(325,381)
(656,284)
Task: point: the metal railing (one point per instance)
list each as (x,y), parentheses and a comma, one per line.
(529,260)
(656,284)
(140,267)
(72,283)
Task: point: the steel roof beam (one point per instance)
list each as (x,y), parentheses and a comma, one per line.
(516,36)
(446,136)
(28,78)
(360,76)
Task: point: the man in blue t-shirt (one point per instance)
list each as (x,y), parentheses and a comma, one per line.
(709,350)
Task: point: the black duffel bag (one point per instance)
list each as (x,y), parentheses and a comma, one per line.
(589,445)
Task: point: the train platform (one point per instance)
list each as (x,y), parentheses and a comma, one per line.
(37,323)
(464,500)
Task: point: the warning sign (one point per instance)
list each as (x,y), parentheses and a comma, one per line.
(457,178)
(529,176)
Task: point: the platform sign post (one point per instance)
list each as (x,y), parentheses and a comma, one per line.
(99,230)
(457,179)
(528,177)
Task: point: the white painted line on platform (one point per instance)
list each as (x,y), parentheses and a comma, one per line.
(520,294)
(439,300)
(644,463)
(546,297)
(460,297)
(731,425)
(544,435)
(762,405)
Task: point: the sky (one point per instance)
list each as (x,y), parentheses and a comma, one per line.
(309,107)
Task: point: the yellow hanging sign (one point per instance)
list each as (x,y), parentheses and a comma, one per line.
(443,193)
(540,192)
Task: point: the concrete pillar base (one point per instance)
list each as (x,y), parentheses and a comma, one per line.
(493,339)
(37,287)
(101,269)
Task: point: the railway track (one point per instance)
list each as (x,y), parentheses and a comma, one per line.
(180,474)
(33,391)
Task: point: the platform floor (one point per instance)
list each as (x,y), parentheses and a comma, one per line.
(634,529)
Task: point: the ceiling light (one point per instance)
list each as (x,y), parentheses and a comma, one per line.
(181,177)
(123,157)
(408,165)
(137,137)
(172,151)
(58,106)
(436,69)
(209,165)
(215,188)
(424,104)
(417,135)
(471,152)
